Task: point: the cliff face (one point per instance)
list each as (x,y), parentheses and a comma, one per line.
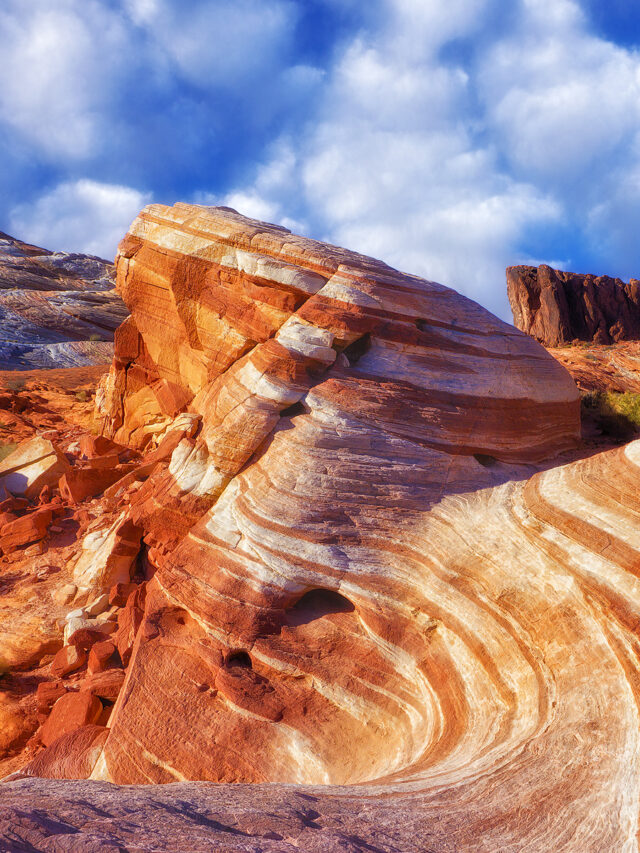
(353,546)
(56,309)
(558,307)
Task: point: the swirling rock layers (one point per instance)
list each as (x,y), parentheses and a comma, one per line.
(56,309)
(492,692)
(341,401)
(374,567)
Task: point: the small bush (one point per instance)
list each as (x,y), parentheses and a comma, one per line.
(95,337)
(81,396)
(617,414)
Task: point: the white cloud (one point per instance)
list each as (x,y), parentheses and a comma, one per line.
(224,43)
(69,69)
(389,166)
(59,66)
(560,99)
(418,28)
(439,137)
(444,170)
(80,216)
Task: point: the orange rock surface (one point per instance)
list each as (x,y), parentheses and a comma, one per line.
(602,368)
(369,556)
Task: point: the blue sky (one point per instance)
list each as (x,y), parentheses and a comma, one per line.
(448,138)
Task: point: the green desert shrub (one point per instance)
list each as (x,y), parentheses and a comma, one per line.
(617,414)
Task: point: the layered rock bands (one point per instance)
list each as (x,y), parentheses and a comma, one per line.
(372,561)
(57,309)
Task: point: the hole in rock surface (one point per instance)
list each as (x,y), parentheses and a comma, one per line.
(318,603)
(422,325)
(293,410)
(358,348)
(485,460)
(239,658)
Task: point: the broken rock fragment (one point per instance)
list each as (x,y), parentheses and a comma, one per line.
(34,463)
(70,712)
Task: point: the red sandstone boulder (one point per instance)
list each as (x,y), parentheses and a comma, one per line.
(14,505)
(120,592)
(70,712)
(22,531)
(68,659)
(109,460)
(92,446)
(6,517)
(71,756)
(105,685)
(47,693)
(85,638)
(101,656)
(84,482)
(34,463)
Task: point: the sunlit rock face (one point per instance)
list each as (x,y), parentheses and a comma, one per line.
(558,307)
(600,367)
(325,611)
(357,548)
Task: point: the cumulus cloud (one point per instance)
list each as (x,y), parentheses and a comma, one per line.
(77,75)
(559,97)
(448,139)
(225,43)
(450,167)
(60,66)
(79,216)
(390,166)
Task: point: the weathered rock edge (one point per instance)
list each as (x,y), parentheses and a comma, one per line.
(557,307)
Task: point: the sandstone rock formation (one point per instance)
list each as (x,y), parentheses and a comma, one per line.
(353,548)
(558,307)
(595,367)
(56,309)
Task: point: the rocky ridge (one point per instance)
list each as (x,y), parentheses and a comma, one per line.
(352,547)
(557,307)
(56,309)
